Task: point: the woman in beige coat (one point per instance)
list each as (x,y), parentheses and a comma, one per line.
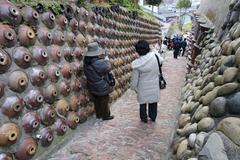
(145,80)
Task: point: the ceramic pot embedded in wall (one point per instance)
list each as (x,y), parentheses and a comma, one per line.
(48,19)
(44,36)
(58,38)
(33,99)
(78,53)
(60,127)
(18,81)
(68,54)
(26,36)
(22,57)
(46,136)
(53,73)
(38,76)
(2,86)
(10,13)
(82,113)
(50,93)
(66,70)
(74,102)
(30,16)
(73,25)
(72,119)
(55,53)
(27,149)
(76,85)
(71,39)
(62,21)
(62,107)
(64,88)
(47,115)
(6,156)
(5,61)
(81,40)
(8,37)
(31,122)
(12,106)
(40,55)
(9,133)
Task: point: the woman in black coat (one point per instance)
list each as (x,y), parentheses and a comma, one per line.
(96,69)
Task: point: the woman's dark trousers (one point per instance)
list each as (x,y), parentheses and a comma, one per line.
(101,105)
(152,111)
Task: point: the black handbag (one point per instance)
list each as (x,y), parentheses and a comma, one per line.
(111,80)
(162,82)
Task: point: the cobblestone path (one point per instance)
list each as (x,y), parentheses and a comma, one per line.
(126,137)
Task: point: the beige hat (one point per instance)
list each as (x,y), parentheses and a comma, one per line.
(94,50)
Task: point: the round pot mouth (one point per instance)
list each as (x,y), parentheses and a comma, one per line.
(22,82)
(30,34)
(17,107)
(31,150)
(14,11)
(35,15)
(12,136)
(9,35)
(27,58)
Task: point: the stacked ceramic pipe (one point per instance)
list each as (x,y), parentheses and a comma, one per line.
(209,124)
(43,91)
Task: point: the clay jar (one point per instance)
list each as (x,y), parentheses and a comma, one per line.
(27,149)
(78,53)
(74,102)
(9,13)
(71,39)
(40,55)
(6,156)
(9,133)
(78,68)
(81,40)
(12,106)
(60,127)
(82,26)
(90,28)
(8,37)
(84,100)
(22,57)
(44,36)
(26,36)
(48,115)
(48,19)
(90,108)
(50,93)
(62,21)
(64,88)
(31,122)
(82,113)
(34,99)
(58,38)
(76,85)
(62,107)
(46,136)
(38,76)
(68,54)
(73,25)
(2,86)
(55,53)
(5,61)
(18,81)
(30,16)
(53,73)
(72,120)
(66,70)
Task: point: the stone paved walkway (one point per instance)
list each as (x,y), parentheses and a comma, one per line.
(125,137)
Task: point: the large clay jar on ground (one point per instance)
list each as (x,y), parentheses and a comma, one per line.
(30,16)
(55,53)
(18,81)
(22,57)
(44,36)
(5,61)
(46,136)
(72,120)
(33,99)
(40,55)
(64,88)
(62,21)
(60,127)
(27,149)
(8,37)
(53,72)
(6,156)
(9,13)
(31,122)
(62,107)
(66,70)
(74,102)
(26,36)
(58,38)
(48,19)
(38,76)
(12,106)
(47,115)
(50,93)
(9,133)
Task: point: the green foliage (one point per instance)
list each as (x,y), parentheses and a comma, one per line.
(184,4)
(154,2)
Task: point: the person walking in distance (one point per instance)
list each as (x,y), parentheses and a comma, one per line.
(96,69)
(184,45)
(145,80)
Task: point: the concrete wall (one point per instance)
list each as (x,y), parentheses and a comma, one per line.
(215,10)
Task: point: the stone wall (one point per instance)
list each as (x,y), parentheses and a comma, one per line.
(216,11)
(43,93)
